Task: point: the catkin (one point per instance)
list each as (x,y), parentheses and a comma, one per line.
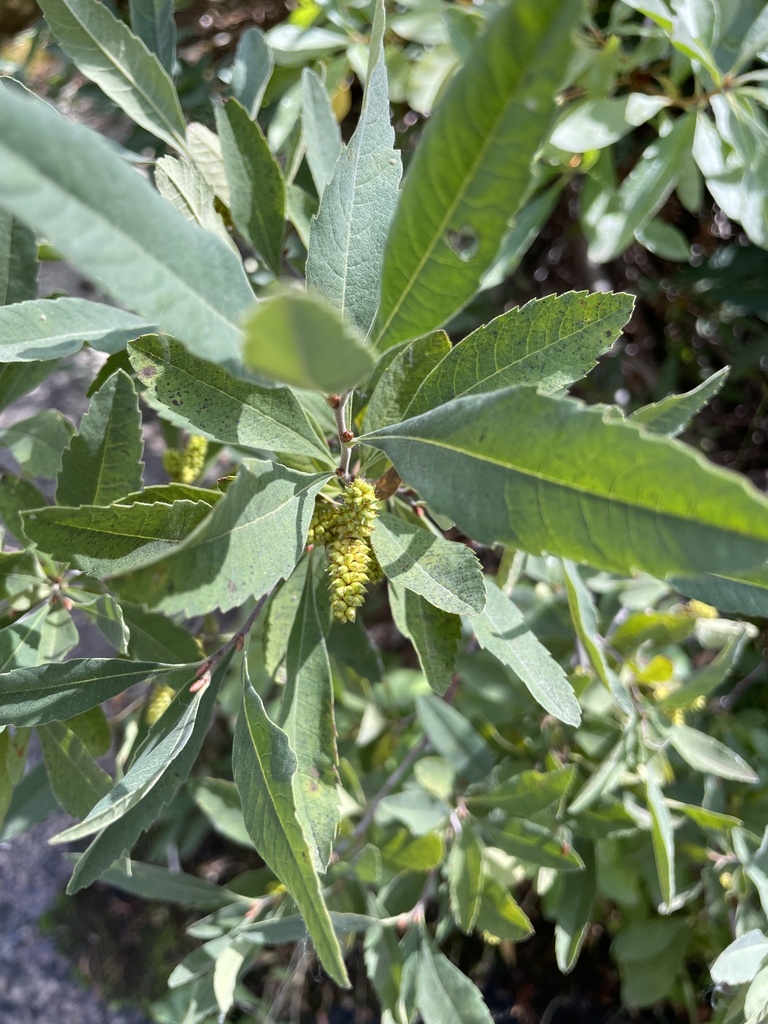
(185,466)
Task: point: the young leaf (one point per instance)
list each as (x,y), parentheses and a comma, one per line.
(103,460)
(320,128)
(446,574)
(255,181)
(252,538)
(346,242)
(465,877)
(185,188)
(663,841)
(51,328)
(501,630)
(400,381)
(44,635)
(18,261)
(115,539)
(107,52)
(252,69)
(500,918)
(472,162)
(120,836)
(76,780)
(435,634)
(264,766)
(550,474)
(706,754)
(444,993)
(673,414)
(152,21)
(50,692)
(306,717)
(454,738)
(302,340)
(37,443)
(549,342)
(198,395)
(62,180)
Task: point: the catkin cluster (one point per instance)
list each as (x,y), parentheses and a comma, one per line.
(158,703)
(185,466)
(345,531)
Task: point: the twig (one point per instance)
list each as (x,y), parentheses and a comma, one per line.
(210,665)
(340,405)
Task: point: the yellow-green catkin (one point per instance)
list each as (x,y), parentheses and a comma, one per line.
(160,698)
(185,466)
(345,530)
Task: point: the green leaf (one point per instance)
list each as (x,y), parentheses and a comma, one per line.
(219,801)
(185,188)
(404,852)
(322,135)
(470,172)
(145,772)
(116,539)
(347,238)
(50,328)
(549,342)
(575,898)
(252,539)
(281,615)
(596,124)
(37,443)
(155,637)
(50,692)
(198,395)
(533,844)
(740,961)
(650,954)
(62,180)
(744,592)
(414,807)
(76,780)
(264,766)
(107,616)
(500,918)
(663,840)
(18,261)
(465,877)
(205,150)
(395,389)
(644,191)
(300,339)
(44,635)
(255,181)
(306,717)
(152,21)
(707,679)
(103,460)
(435,634)
(454,738)
(17,379)
(525,794)
(443,993)
(252,69)
(383,964)
(664,240)
(706,754)
(501,630)
(16,495)
(673,414)
(446,574)
(151,882)
(107,52)
(549,474)
(118,837)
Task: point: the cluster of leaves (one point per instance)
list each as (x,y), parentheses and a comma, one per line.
(556,735)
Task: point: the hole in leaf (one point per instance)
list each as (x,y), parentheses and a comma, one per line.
(464,242)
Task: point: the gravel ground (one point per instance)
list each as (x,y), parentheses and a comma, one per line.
(37,982)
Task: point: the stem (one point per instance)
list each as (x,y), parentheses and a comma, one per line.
(340,413)
(210,665)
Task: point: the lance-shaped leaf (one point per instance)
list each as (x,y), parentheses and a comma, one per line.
(395,389)
(306,717)
(156,637)
(255,181)
(18,261)
(448,575)
(743,592)
(252,69)
(300,339)
(152,21)
(120,836)
(264,766)
(62,180)
(663,841)
(108,53)
(549,342)
(444,993)
(500,917)
(525,794)
(17,379)
(673,414)
(37,443)
(143,775)
(187,191)
(76,780)
(454,738)
(44,635)
(322,135)
(50,693)
(706,754)
(103,461)
(501,630)
(573,909)
(114,539)
(197,395)
(281,615)
(471,171)
(435,634)
(252,538)
(346,241)
(465,877)
(51,328)
(550,474)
